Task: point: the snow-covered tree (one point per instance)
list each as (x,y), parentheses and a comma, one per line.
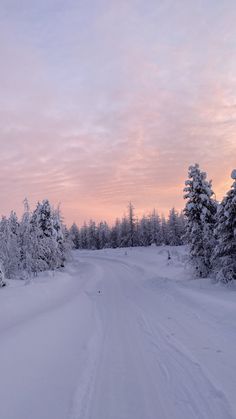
(38,242)
(175,228)
(155,228)
(61,239)
(200,212)
(13,243)
(75,236)
(164,231)
(224,256)
(103,233)
(47,241)
(2,276)
(115,233)
(125,239)
(92,237)
(145,235)
(25,240)
(131,224)
(9,245)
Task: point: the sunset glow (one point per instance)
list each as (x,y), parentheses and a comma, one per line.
(105,102)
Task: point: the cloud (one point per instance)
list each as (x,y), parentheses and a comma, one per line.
(105,104)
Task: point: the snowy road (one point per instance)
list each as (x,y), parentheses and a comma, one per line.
(118,337)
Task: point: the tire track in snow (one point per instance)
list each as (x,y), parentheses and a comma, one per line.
(179,368)
(143,358)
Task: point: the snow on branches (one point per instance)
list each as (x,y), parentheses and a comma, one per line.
(35,243)
(200,212)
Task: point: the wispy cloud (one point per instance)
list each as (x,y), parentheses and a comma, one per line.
(103,102)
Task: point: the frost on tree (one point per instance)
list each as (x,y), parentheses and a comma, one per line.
(9,245)
(2,276)
(224,255)
(175,228)
(37,242)
(47,238)
(200,213)
(130,231)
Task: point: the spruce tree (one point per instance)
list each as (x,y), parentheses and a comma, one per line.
(2,276)
(200,214)
(25,240)
(75,236)
(173,228)
(224,256)
(131,223)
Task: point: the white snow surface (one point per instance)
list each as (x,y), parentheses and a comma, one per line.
(120,334)
(233,174)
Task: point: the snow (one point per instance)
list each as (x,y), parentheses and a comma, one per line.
(119,334)
(233,174)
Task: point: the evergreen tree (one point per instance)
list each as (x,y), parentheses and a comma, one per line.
(26,241)
(75,236)
(60,242)
(47,236)
(145,235)
(92,236)
(174,227)
(115,234)
(2,276)
(9,246)
(13,244)
(103,233)
(155,228)
(224,256)
(124,233)
(131,224)
(200,212)
(164,231)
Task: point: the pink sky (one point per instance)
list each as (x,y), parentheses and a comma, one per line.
(105,102)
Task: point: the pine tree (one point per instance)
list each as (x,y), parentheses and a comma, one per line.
(9,246)
(155,228)
(224,256)
(124,233)
(103,233)
(2,277)
(60,241)
(145,235)
(44,238)
(75,236)
(164,231)
(13,244)
(131,223)
(115,233)
(39,247)
(92,236)
(175,228)
(200,212)
(25,240)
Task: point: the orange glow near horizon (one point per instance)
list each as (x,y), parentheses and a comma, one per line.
(105,105)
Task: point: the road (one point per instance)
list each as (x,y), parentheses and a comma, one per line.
(117,343)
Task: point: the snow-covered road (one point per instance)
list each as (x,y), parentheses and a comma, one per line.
(120,335)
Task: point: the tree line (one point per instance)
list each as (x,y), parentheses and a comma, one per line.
(130,231)
(40,241)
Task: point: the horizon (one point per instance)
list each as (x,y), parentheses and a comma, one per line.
(137,211)
(109,102)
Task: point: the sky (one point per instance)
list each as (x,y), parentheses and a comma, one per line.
(104,102)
